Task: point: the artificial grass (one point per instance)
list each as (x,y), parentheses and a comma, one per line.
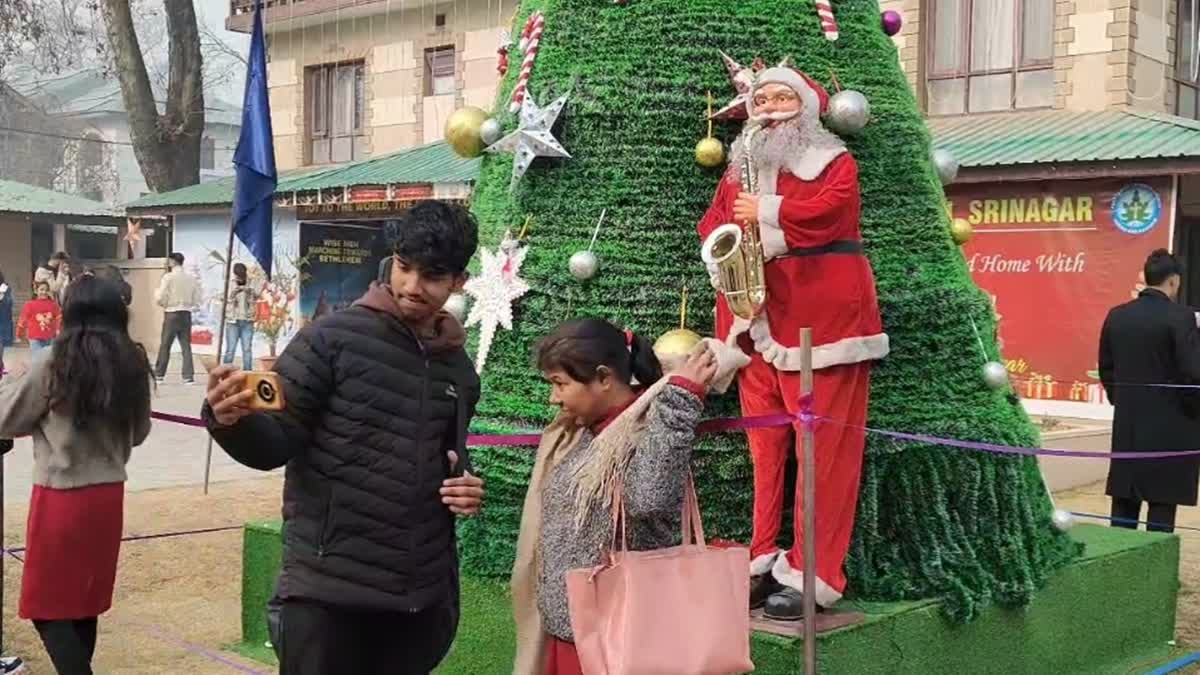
(971,528)
(1111,610)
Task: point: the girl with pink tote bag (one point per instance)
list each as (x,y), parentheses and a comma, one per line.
(619,448)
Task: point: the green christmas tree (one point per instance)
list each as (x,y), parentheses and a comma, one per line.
(932,521)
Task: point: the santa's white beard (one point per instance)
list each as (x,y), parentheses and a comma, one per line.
(777,146)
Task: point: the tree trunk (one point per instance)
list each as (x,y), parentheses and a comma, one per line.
(167,145)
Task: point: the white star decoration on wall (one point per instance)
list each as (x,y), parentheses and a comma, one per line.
(532,137)
(494,291)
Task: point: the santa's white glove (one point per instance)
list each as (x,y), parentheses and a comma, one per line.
(714,275)
(730,359)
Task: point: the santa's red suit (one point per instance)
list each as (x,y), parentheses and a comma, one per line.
(817,277)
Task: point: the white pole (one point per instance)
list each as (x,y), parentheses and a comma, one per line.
(809,505)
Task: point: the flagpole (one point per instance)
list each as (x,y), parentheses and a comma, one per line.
(221,338)
(254,160)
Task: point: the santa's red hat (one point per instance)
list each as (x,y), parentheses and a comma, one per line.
(814,96)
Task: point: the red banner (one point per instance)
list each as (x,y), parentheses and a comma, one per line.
(1055,256)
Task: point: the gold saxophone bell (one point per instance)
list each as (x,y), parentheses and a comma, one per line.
(738,254)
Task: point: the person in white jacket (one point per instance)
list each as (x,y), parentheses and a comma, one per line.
(178,294)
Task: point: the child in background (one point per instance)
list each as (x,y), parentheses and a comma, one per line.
(40,319)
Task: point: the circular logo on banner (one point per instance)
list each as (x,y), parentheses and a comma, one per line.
(1136,209)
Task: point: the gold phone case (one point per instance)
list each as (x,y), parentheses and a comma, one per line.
(268,393)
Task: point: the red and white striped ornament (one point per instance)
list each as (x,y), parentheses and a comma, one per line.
(828,20)
(530,37)
(502,53)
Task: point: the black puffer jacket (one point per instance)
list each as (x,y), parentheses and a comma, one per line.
(371,411)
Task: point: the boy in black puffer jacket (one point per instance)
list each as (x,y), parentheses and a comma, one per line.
(378,398)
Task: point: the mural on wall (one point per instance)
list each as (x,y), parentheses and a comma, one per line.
(202,239)
(341,262)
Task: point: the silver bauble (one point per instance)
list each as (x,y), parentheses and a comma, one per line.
(1063,520)
(849,112)
(490,131)
(456,305)
(584,265)
(995,375)
(946,165)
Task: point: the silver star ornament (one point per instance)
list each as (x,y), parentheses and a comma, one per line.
(532,137)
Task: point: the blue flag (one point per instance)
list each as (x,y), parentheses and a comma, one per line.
(254,159)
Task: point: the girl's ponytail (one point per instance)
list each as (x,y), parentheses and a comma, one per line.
(643,363)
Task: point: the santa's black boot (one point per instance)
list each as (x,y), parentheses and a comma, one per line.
(762,586)
(786,605)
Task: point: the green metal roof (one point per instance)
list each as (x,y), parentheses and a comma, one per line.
(433,163)
(1012,139)
(22,198)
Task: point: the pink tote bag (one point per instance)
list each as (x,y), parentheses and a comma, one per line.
(675,611)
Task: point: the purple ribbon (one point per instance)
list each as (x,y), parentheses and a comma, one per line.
(177,419)
(1017,450)
(806,418)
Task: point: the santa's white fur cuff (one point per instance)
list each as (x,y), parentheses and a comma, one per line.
(785,574)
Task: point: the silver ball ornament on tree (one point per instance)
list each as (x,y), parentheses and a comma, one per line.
(1063,520)
(490,131)
(946,165)
(584,265)
(456,305)
(849,112)
(995,375)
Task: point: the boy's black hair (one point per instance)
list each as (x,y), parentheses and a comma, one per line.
(436,236)
(1160,266)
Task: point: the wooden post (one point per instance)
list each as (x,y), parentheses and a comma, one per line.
(810,484)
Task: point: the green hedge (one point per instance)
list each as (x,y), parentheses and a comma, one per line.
(933,522)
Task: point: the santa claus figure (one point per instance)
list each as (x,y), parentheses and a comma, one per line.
(817,276)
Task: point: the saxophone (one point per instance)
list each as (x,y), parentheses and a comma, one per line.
(737,252)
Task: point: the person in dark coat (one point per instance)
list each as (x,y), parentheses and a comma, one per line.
(1152,340)
(373,434)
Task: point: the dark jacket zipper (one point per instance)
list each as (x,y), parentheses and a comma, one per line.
(424,414)
(325,523)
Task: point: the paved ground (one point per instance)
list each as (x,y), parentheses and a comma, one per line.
(172,456)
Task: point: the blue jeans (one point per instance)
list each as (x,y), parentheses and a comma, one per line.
(240,331)
(36,346)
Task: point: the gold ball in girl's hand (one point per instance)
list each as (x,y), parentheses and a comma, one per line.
(710,152)
(678,343)
(961,231)
(462,131)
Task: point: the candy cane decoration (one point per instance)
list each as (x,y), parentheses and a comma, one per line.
(530,37)
(502,53)
(828,21)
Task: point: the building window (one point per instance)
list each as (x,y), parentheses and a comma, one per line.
(989,55)
(336,112)
(1187,60)
(439,21)
(439,71)
(208,154)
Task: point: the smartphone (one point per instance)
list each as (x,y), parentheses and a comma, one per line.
(268,393)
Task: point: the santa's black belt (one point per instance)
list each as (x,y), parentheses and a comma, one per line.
(839,247)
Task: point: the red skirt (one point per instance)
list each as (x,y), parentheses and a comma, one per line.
(72,539)
(561,658)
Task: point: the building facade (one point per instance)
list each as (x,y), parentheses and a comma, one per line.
(352,79)
(1074,126)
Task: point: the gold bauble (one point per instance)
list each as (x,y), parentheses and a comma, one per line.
(678,342)
(710,152)
(462,131)
(961,231)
